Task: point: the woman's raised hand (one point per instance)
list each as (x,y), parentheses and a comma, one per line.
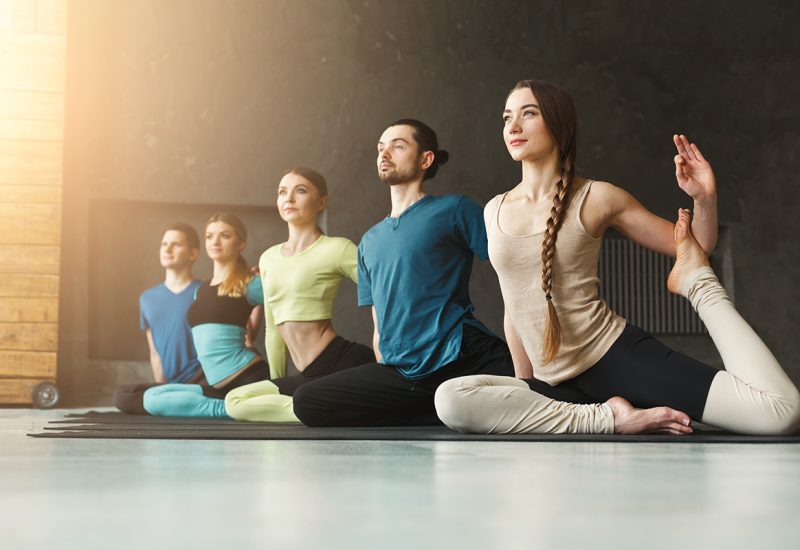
(692,170)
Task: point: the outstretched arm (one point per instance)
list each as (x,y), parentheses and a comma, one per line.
(696,178)
(615,207)
(522,365)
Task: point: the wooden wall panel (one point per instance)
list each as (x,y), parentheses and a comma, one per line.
(32,61)
(30,224)
(28,336)
(31,162)
(31,105)
(18,15)
(30,310)
(32,76)
(30,194)
(51,16)
(34,364)
(17,258)
(41,16)
(19,390)
(21,129)
(28,286)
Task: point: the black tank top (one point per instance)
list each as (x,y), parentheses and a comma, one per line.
(209,307)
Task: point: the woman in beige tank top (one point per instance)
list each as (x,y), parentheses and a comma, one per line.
(566,343)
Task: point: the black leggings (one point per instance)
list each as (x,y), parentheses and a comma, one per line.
(129,398)
(642,370)
(378,395)
(339,355)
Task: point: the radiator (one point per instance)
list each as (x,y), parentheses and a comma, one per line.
(633,283)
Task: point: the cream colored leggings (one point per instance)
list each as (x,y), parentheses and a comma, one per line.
(752,396)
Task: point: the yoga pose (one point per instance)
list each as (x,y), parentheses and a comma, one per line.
(223,317)
(301,279)
(413,271)
(163,308)
(565,341)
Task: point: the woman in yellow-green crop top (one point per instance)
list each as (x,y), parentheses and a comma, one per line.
(301,279)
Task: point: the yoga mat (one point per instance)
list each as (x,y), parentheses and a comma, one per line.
(111,425)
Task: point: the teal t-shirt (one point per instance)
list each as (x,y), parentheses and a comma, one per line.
(415,269)
(219,326)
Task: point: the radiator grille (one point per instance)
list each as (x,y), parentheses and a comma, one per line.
(633,283)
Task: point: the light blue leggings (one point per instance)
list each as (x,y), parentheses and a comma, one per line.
(185,400)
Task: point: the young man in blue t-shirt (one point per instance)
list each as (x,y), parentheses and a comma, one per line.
(413,270)
(163,308)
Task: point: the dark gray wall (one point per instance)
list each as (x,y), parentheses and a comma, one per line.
(209,101)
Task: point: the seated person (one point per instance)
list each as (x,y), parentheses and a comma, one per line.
(163,318)
(301,279)
(223,311)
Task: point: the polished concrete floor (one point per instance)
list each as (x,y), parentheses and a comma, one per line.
(119,494)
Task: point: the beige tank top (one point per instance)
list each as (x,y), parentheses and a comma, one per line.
(589,327)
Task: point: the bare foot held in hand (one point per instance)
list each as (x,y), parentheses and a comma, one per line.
(630,420)
(688,253)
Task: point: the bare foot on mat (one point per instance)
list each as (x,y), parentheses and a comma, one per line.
(630,420)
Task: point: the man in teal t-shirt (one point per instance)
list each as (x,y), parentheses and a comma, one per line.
(413,270)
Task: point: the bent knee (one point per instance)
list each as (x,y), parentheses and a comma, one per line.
(787,419)
(307,408)
(128,400)
(233,405)
(152,403)
(782,417)
(451,404)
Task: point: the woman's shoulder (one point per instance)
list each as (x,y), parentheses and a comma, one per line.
(338,242)
(596,186)
(491,206)
(203,289)
(272,251)
(492,203)
(337,247)
(598,192)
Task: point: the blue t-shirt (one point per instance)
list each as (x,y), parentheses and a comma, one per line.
(415,270)
(164,313)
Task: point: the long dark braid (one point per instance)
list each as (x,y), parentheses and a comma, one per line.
(558,111)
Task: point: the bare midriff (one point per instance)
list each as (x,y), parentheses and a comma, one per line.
(306,340)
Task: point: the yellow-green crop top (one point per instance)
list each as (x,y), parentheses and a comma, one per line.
(302,288)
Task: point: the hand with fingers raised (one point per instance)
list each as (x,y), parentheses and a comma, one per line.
(692,170)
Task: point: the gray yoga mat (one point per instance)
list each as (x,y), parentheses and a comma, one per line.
(111,425)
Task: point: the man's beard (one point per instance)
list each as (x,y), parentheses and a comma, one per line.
(398,177)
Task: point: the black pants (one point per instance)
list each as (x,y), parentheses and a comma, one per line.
(129,398)
(339,355)
(642,370)
(378,395)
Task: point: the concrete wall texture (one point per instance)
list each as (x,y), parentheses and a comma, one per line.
(207,102)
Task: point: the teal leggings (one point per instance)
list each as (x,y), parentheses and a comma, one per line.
(194,400)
